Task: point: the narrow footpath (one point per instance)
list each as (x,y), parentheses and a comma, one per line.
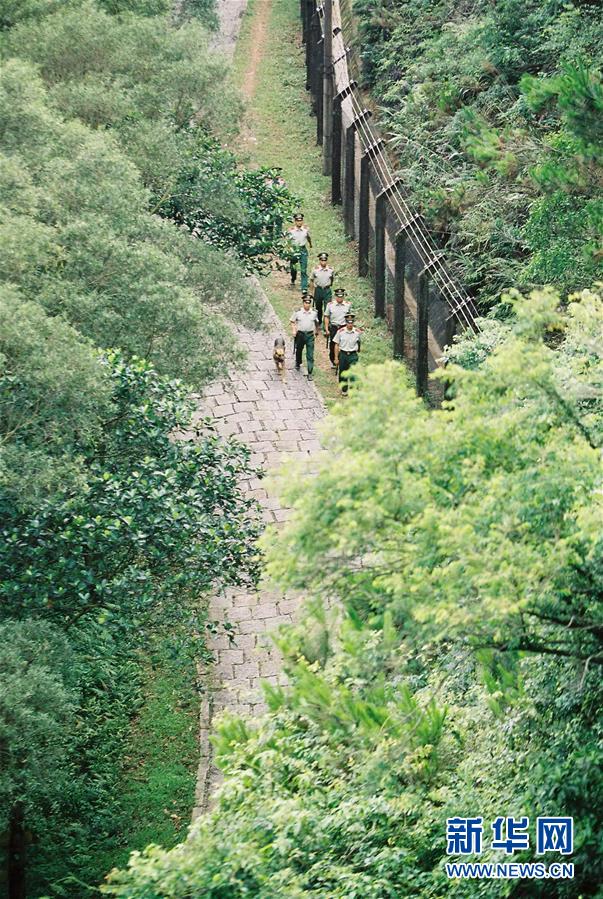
(278,422)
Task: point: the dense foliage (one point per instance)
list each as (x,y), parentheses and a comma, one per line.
(495,112)
(110,564)
(119,509)
(166,98)
(458,668)
(156,520)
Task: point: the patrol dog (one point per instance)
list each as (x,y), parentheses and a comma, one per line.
(279,357)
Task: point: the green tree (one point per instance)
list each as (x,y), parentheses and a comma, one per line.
(107,70)
(114,559)
(160,520)
(494,114)
(37,703)
(54,394)
(89,250)
(167,99)
(482,520)
(119,508)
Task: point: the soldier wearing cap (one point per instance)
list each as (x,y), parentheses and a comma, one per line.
(301,240)
(305,327)
(321,281)
(347,349)
(334,319)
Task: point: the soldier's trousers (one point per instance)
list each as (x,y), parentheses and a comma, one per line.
(305,339)
(302,261)
(322,296)
(333,329)
(346,361)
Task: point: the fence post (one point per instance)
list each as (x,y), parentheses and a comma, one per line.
(363,216)
(327,87)
(399,287)
(308,12)
(314,63)
(319,90)
(349,212)
(336,153)
(350,180)
(363,207)
(380,219)
(380,222)
(422,325)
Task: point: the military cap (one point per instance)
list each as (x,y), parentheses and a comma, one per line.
(298,217)
(340,291)
(323,257)
(350,316)
(305,297)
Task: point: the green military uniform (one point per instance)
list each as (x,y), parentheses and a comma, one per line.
(300,237)
(335,314)
(322,279)
(348,341)
(306,323)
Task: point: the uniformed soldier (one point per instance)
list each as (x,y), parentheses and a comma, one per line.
(300,237)
(321,282)
(334,319)
(305,327)
(347,349)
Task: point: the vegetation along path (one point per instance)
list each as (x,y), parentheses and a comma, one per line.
(277,421)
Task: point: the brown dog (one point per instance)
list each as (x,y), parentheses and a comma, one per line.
(279,357)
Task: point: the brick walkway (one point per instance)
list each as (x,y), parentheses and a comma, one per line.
(277,421)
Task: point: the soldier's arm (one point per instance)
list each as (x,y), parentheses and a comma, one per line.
(309,240)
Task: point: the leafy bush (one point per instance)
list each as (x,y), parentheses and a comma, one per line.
(157,518)
(109,565)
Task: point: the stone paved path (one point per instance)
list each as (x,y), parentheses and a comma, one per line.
(277,420)
(230,14)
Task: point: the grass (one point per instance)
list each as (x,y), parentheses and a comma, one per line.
(284,134)
(143,757)
(158,785)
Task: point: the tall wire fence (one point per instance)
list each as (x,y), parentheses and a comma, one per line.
(413,288)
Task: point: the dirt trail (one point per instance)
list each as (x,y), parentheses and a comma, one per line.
(258,39)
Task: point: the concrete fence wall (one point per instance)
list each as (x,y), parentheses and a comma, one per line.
(413,290)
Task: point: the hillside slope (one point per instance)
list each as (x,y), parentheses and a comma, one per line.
(495,110)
